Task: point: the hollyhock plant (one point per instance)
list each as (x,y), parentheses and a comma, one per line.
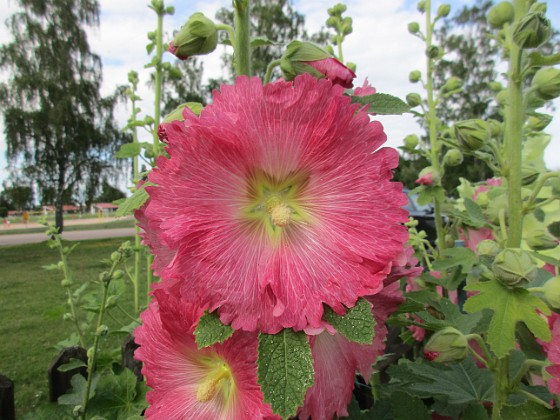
(276,200)
(552,350)
(219,382)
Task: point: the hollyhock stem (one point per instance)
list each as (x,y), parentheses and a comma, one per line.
(158,80)
(229,29)
(537,189)
(527,364)
(432,128)
(242,40)
(270,69)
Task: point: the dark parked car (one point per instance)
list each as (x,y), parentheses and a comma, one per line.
(423,213)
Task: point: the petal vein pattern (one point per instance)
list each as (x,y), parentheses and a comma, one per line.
(275,200)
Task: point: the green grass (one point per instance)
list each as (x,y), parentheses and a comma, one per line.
(28,293)
(94,226)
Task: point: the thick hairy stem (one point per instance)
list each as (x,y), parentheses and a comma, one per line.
(242,41)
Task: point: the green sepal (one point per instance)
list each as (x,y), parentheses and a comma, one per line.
(285,370)
(128,150)
(382,104)
(210,330)
(509,306)
(357,324)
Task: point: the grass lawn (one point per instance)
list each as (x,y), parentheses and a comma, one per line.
(27,294)
(93,226)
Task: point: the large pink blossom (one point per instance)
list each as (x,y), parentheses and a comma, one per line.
(552,350)
(336,361)
(275,200)
(219,382)
(335,71)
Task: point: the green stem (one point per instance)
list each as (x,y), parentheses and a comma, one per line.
(432,128)
(158,81)
(527,364)
(229,29)
(135,173)
(120,308)
(339,40)
(483,347)
(542,180)
(501,388)
(242,41)
(270,69)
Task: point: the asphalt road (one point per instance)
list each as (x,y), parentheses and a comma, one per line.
(76,235)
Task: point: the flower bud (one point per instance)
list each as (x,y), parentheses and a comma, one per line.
(552,292)
(111,301)
(307,57)
(502,98)
(547,83)
(538,122)
(472,134)
(104,277)
(453,157)
(68,317)
(538,8)
(413,27)
(115,256)
(495,86)
(487,251)
(411,141)
(514,267)
(413,99)
(529,174)
(433,52)
(540,240)
(414,76)
(428,177)
(443,10)
(118,274)
(453,83)
(531,31)
(66,283)
(198,36)
(346,26)
(102,330)
(421,6)
(500,14)
(449,344)
(495,127)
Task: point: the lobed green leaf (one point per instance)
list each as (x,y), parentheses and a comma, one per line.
(210,330)
(356,325)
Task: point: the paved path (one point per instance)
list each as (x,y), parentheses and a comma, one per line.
(76,235)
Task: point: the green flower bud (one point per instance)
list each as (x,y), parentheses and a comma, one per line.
(538,8)
(472,134)
(514,267)
(198,36)
(111,301)
(500,14)
(67,316)
(339,8)
(115,256)
(411,141)
(487,251)
(104,277)
(102,330)
(78,410)
(531,31)
(433,52)
(453,83)
(540,240)
(414,76)
(502,97)
(443,10)
(118,274)
(66,283)
(413,27)
(547,83)
(413,99)
(449,241)
(421,6)
(332,22)
(170,10)
(495,127)
(346,26)
(538,122)
(449,345)
(453,157)
(552,292)
(495,86)
(529,175)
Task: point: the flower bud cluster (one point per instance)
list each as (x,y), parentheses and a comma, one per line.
(198,36)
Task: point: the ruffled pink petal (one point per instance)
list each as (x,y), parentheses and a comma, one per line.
(342,253)
(365,90)
(173,368)
(334,71)
(473,237)
(552,350)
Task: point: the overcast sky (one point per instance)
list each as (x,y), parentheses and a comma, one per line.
(380,45)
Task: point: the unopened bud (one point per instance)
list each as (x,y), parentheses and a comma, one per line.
(66,283)
(411,141)
(421,6)
(115,256)
(531,31)
(538,122)
(529,174)
(67,316)
(413,99)
(453,157)
(428,177)
(472,134)
(105,277)
(111,301)
(514,267)
(552,292)
(443,10)
(487,251)
(500,14)
(448,345)
(118,274)
(414,76)
(102,330)
(495,127)
(546,82)
(453,83)
(433,52)
(413,27)
(198,36)
(540,240)
(495,86)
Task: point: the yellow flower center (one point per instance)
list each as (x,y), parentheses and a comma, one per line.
(217,384)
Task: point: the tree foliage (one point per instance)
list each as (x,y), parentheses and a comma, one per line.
(57,125)
(17,196)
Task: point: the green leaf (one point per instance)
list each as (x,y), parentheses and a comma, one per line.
(128,150)
(73,364)
(539,60)
(509,307)
(529,410)
(210,330)
(50,411)
(475,411)
(261,42)
(76,394)
(356,325)
(406,407)
(382,104)
(119,396)
(475,213)
(135,201)
(554,229)
(454,257)
(285,370)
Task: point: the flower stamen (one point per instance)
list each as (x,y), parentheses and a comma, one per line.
(214,383)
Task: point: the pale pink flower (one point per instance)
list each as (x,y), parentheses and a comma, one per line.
(365,90)
(336,361)
(275,201)
(473,237)
(219,382)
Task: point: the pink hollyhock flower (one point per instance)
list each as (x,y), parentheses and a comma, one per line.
(552,350)
(334,70)
(365,90)
(473,237)
(275,201)
(336,361)
(219,382)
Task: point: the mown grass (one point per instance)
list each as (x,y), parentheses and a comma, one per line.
(93,226)
(29,296)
